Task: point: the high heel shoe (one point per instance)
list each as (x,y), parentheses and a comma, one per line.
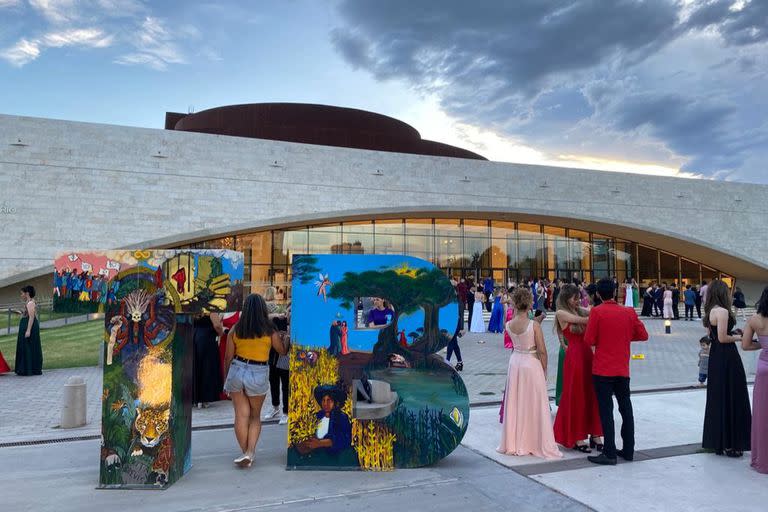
(594,444)
(734,453)
(583,448)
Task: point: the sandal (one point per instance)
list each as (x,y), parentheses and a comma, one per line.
(734,453)
(583,448)
(594,444)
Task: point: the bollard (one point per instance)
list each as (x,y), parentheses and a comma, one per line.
(74,407)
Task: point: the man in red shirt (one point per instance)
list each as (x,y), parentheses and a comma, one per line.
(611,328)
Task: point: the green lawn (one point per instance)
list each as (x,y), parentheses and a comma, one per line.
(43,315)
(63,347)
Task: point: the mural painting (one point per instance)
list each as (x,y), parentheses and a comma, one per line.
(368,390)
(148,299)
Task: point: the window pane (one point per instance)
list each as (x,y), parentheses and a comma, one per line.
(419,246)
(357,243)
(256,278)
(447,251)
(647,265)
(708,274)
(389,226)
(389,244)
(528,230)
(477,252)
(670,272)
(625,258)
(324,242)
(358,227)
(476,228)
(502,229)
(288,243)
(418,226)
(447,227)
(551,230)
(257,247)
(689,272)
(602,257)
(499,253)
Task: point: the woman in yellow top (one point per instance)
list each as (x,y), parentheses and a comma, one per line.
(245,361)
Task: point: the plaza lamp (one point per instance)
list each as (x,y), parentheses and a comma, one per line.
(668,326)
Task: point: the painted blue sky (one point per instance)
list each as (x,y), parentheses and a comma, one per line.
(669,87)
(312,316)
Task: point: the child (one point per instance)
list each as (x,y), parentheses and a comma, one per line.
(703,360)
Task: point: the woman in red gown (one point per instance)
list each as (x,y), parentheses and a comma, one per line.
(223,324)
(578,416)
(4,368)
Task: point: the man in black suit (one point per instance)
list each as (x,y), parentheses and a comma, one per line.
(658,299)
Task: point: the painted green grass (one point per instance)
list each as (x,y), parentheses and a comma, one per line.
(70,346)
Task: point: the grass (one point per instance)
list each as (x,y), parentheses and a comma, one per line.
(70,346)
(43,316)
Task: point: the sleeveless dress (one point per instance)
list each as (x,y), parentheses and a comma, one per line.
(578,416)
(29,352)
(635,296)
(760,410)
(496,323)
(527,425)
(668,312)
(228,320)
(629,297)
(727,417)
(477,325)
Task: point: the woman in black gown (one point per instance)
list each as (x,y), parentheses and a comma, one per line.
(29,352)
(206,369)
(727,418)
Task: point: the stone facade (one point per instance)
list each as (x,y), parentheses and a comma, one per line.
(67,185)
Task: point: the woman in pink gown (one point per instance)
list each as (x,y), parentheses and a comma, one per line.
(527,425)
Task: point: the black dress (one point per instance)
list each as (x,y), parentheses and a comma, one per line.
(206,370)
(29,352)
(728,417)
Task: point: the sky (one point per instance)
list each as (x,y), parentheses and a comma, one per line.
(662,87)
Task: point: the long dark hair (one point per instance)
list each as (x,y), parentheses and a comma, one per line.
(567,292)
(762,304)
(717,295)
(30,290)
(254,321)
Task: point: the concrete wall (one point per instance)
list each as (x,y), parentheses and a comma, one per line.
(67,185)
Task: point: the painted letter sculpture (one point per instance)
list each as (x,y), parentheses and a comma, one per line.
(148,299)
(367,389)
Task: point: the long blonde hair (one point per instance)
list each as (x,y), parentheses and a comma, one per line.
(567,292)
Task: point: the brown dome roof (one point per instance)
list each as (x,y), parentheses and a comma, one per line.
(314,124)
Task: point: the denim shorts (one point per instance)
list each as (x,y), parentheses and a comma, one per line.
(251,378)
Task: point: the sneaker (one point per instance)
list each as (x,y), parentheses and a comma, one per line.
(283,419)
(274,413)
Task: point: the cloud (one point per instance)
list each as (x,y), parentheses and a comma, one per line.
(27,50)
(55,11)
(659,81)
(155,47)
(9,3)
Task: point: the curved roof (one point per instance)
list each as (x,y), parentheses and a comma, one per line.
(314,124)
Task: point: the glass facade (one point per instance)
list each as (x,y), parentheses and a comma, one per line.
(462,247)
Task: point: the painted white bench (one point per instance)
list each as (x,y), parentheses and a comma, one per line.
(384,401)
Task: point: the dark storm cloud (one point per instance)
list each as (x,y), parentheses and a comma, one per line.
(746,26)
(533,68)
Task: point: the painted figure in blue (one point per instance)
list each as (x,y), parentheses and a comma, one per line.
(334,348)
(332,442)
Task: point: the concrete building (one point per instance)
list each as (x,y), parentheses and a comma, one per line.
(72,186)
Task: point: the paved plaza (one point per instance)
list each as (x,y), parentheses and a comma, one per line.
(668,409)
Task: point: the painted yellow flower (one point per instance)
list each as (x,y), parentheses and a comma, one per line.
(117,405)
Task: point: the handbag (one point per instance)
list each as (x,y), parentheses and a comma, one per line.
(284,361)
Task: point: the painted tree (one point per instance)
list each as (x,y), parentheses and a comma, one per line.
(304,267)
(396,288)
(435,291)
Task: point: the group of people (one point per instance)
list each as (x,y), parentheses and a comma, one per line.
(84,286)
(29,350)
(596,368)
(585,416)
